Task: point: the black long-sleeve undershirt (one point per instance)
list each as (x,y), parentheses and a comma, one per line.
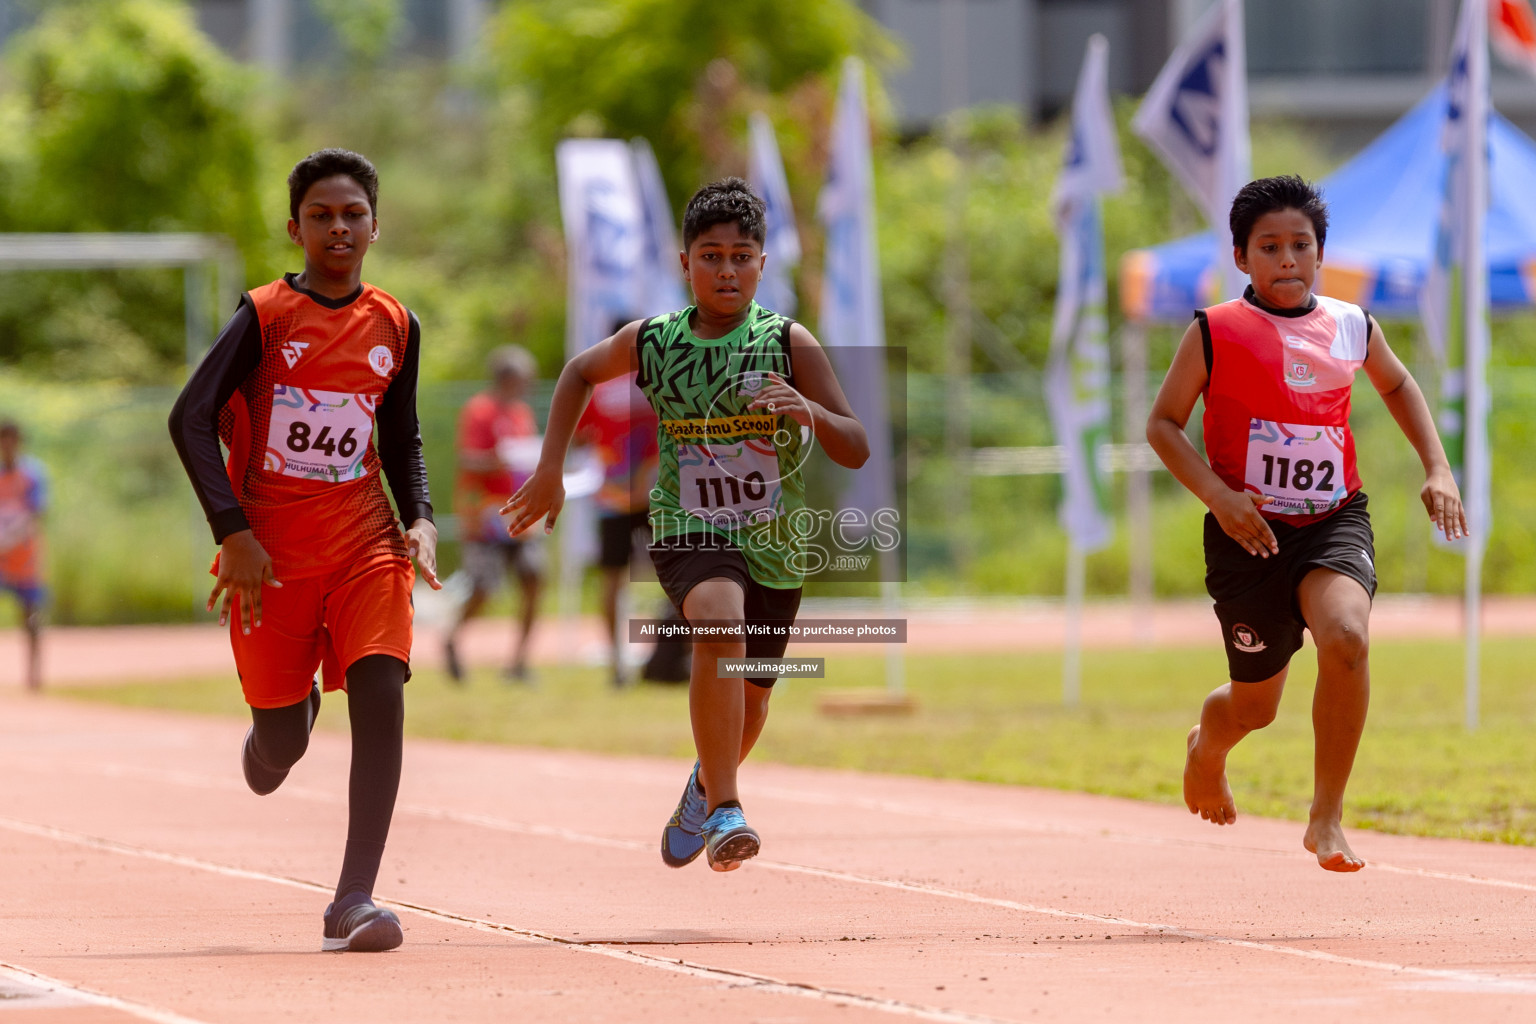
(235,356)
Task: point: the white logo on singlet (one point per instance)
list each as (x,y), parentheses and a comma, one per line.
(382,360)
(292,351)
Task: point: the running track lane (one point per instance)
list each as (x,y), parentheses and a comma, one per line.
(142,882)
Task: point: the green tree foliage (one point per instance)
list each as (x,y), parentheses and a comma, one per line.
(681,73)
(117,116)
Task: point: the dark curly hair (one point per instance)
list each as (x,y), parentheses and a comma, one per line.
(1266,195)
(727,201)
(327,163)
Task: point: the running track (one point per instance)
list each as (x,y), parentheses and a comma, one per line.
(141,881)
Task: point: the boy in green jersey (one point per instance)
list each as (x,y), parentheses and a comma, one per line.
(742,395)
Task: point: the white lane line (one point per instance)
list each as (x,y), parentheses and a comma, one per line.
(195,780)
(1459,980)
(76,993)
(734,978)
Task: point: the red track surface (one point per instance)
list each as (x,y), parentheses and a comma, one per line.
(138,870)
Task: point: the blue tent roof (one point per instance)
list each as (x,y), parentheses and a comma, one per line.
(1383,207)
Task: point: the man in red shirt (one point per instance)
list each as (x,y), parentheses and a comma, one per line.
(498,446)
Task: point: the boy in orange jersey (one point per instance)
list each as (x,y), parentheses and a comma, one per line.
(1288,540)
(23,497)
(313,566)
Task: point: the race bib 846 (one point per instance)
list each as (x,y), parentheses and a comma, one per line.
(319,435)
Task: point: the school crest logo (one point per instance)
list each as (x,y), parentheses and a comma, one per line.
(1246,640)
(381,360)
(1299,372)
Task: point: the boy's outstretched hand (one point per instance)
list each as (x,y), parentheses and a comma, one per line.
(543,494)
(1237,512)
(1442,500)
(244,568)
(421,543)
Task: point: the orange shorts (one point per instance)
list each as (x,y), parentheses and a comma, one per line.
(323,622)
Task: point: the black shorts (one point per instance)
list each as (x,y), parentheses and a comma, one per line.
(681,565)
(1261,620)
(616,537)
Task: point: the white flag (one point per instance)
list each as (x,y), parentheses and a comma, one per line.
(661,272)
(765,170)
(1195,117)
(852,319)
(604,223)
(1077,375)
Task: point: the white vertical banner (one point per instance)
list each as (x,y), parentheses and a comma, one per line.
(606,245)
(661,272)
(1077,374)
(604,219)
(853,319)
(852,316)
(1195,117)
(765,170)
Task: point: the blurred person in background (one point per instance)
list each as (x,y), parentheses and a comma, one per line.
(498,447)
(23,497)
(621,426)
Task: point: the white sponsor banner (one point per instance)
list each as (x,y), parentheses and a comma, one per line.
(765,170)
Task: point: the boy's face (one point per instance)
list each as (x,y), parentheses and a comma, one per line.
(335,226)
(723,266)
(1282,258)
(10,444)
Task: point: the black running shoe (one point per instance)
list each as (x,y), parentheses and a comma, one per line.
(258,776)
(360,927)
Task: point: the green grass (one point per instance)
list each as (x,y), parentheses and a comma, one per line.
(998,718)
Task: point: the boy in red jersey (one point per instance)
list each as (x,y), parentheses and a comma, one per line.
(23,497)
(313,566)
(1288,541)
(497,436)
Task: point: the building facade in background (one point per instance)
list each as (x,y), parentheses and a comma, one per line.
(1345,67)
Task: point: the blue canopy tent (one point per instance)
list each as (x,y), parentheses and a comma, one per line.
(1383,208)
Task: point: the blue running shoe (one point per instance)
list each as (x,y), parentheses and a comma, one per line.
(728,839)
(681,843)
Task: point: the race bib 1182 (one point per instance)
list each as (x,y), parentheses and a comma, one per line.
(1300,466)
(319,435)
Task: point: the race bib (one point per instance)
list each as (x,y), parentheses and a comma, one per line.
(319,435)
(1300,466)
(729,484)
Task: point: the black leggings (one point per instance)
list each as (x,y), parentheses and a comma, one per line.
(376,708)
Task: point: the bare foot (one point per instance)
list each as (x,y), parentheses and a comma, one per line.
(1205,787)
(1326,839)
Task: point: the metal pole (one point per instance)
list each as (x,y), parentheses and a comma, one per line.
(1072,630)
(1138,490)
(957,300)
(1475,344)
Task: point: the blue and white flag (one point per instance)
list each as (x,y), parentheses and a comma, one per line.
(1077,375)
(1460,242)
(605,238)
(852,319)
(661,272)
(1195,117)
(765,170)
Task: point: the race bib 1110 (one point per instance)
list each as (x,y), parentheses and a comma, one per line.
(319,435)
(729,484)
(1301,467)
